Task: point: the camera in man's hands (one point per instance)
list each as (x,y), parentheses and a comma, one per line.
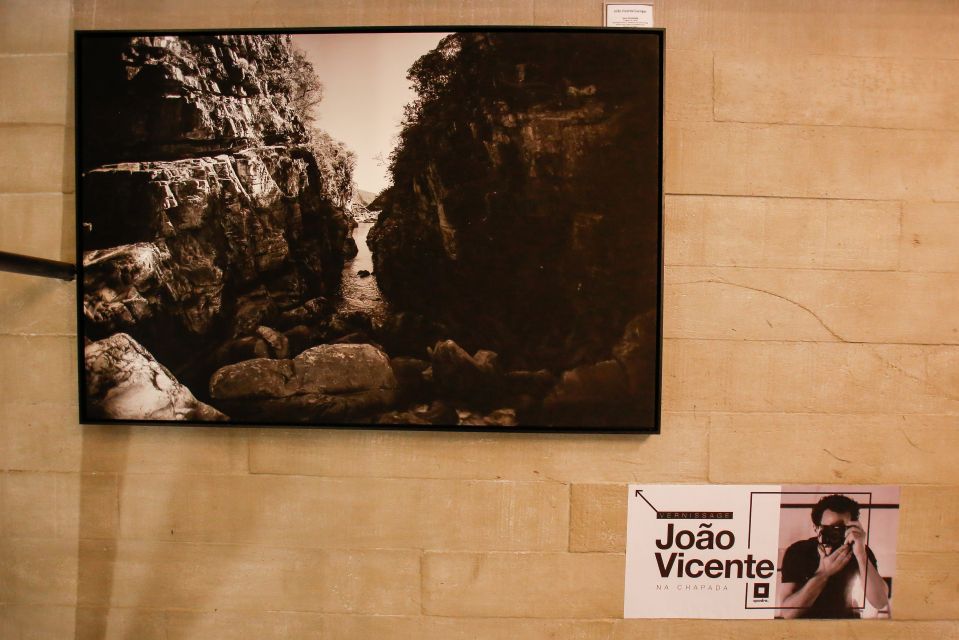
(833,535)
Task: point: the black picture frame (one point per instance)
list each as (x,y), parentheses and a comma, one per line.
(649,424)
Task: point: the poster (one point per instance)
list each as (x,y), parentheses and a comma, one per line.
(761,551)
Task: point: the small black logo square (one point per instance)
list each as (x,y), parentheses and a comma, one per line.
(761,590)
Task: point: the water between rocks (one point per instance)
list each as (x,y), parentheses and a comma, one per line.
(358,293)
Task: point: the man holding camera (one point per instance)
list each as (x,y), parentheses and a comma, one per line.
(823,576)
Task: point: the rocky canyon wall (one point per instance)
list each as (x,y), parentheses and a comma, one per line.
(523,213)
(210,214)
(522,210)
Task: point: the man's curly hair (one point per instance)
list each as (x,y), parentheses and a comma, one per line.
(837,504)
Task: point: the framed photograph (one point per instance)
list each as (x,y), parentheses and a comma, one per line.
(430,228)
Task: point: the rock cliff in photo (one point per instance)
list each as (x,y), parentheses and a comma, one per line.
(209,208)
(522,209)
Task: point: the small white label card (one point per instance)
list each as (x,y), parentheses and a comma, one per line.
(628,15)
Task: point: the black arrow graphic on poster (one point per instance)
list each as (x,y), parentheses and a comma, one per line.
(639,494)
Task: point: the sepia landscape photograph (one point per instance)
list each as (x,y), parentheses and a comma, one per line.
(456,228)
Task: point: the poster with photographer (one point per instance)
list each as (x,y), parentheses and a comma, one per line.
(761,551)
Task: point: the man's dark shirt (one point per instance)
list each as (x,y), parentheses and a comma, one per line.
(801,561)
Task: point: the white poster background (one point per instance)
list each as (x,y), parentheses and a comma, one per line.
(650,595)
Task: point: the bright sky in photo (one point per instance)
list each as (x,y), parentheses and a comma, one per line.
(364,91)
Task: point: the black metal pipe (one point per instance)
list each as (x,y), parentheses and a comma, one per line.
(37,266)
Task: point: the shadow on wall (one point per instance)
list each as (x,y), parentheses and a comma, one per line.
(68,236)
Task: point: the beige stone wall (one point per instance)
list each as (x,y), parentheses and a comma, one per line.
(812,324)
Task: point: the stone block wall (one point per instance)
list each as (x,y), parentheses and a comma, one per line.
(811,335)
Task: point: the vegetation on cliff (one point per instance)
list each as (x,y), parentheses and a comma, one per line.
(336,163)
